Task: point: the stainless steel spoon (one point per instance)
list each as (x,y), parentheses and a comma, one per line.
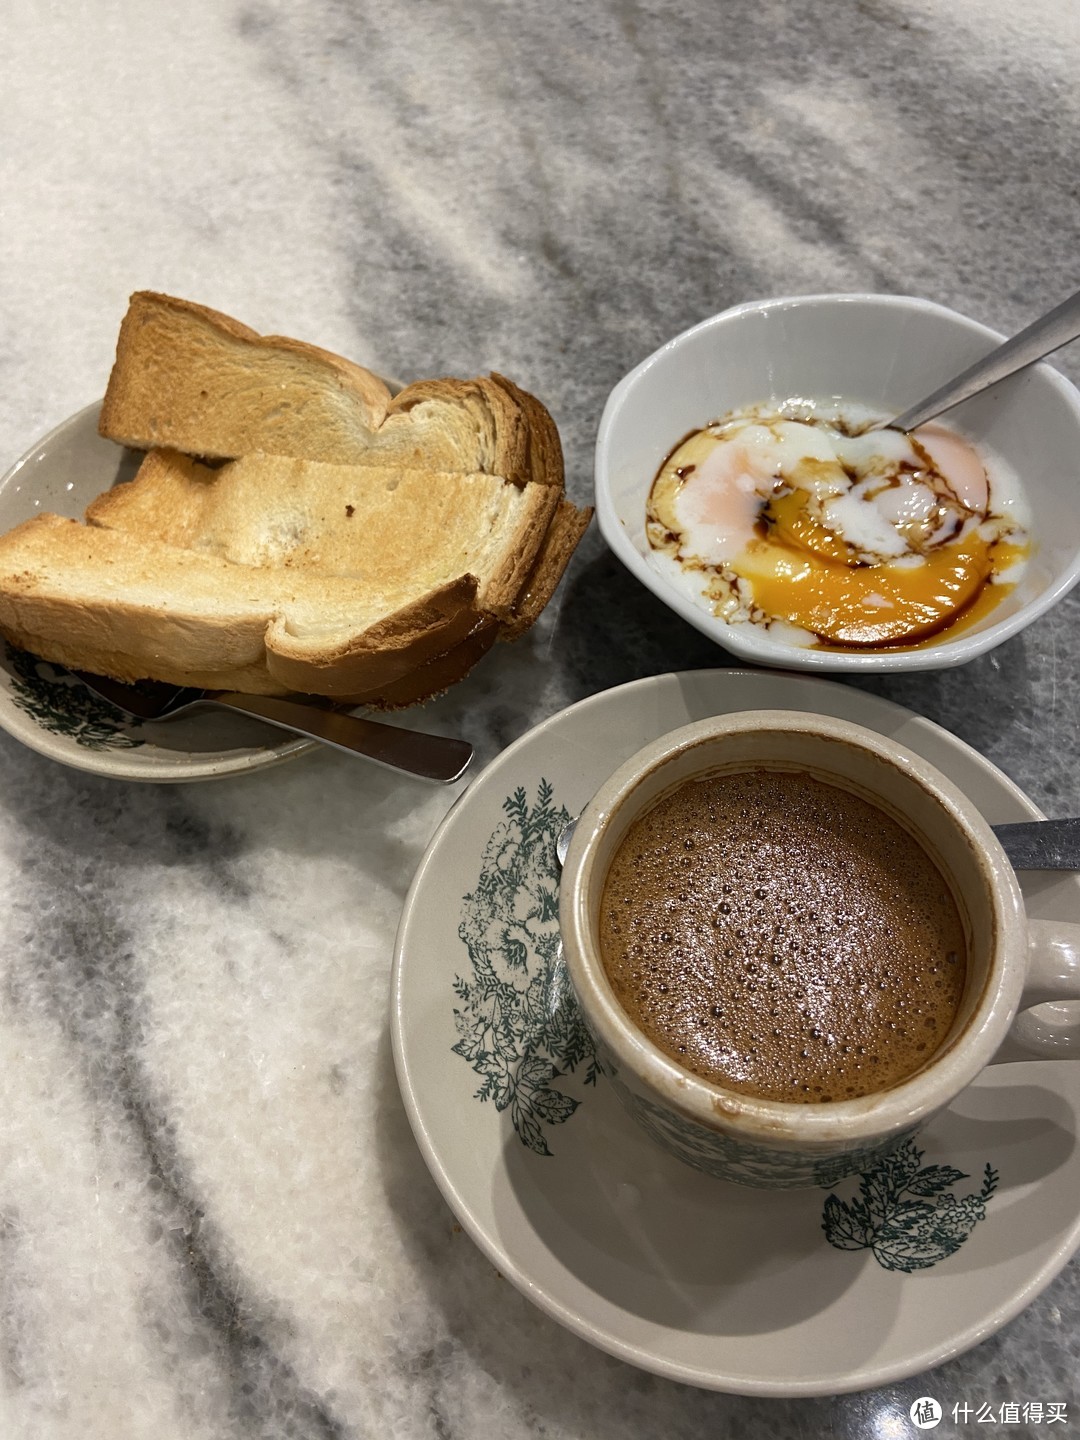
(431,757)
(1040,339)
(1029,844)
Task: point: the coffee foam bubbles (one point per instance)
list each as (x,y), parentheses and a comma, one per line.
(782,937)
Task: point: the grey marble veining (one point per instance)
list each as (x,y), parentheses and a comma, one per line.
(214,1221)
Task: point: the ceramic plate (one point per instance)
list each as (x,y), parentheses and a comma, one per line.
(786,1293)
(47,709)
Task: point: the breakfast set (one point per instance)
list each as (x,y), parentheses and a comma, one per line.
(593,1123)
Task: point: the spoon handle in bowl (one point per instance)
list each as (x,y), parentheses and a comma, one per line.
(1040,339)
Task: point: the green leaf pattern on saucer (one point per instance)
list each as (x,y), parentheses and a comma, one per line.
(518,1023)
(62,706)
(907,1215)
(520,1029)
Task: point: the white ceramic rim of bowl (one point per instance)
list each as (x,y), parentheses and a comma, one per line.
(871,1117)
(743,640)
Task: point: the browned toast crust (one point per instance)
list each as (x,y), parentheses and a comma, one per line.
(436,676)
(264,595)
(567,527)
(196,380)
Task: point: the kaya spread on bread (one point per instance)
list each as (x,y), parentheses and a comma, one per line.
(343,541)
(801,518)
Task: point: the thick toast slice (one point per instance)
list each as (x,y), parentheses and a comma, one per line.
(384,526)
(351,544)
(122,605)
(188,378)
(195,379)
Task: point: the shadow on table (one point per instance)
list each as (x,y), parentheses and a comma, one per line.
(663,1249)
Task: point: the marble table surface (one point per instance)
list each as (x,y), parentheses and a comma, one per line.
(214,1220)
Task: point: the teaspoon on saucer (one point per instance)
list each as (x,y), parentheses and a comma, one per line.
(1029,844)
(1038,340)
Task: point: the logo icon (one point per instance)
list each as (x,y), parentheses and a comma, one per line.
(925,1413)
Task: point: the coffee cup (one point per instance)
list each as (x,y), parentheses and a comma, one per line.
(795,942)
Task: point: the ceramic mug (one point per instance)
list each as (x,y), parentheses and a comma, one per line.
(1012,962)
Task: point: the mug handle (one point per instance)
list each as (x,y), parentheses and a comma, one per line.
(1053,975)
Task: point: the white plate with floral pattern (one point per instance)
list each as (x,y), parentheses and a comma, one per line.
(770,1293)
(47,708)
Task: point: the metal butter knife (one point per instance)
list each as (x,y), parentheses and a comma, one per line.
(430,757)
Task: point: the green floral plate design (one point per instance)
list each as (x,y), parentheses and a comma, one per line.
(520,1028)
(61,705)
(861,1282)
(907,1215)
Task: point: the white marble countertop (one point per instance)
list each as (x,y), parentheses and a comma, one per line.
(214,1220)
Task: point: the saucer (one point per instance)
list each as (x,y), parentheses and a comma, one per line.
(47,708)
(814,1292)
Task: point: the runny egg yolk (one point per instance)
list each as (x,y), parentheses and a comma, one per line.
(873,605)
(860,537)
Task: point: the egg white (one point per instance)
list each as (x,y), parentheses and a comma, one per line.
(888,499)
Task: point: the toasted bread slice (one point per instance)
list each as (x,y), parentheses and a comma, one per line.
(568,525)
(353,544)
(122,605)
(440,673)
(434,676)
(191,379)
(382,526)
(196,379)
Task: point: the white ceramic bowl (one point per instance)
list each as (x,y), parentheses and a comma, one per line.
(884,351)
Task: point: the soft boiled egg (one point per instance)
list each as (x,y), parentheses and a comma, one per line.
(804,515)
